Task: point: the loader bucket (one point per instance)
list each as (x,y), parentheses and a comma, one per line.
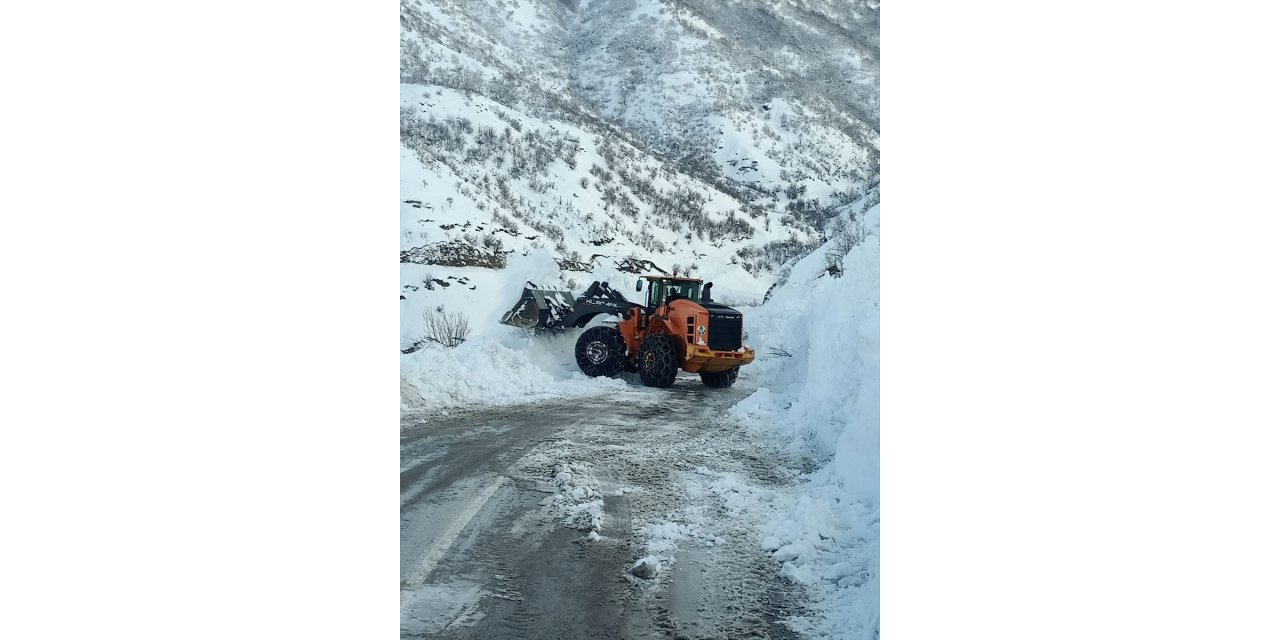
(539,308)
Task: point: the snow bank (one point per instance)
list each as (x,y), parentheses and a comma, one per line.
(823,401)
(496,370)
(498,364)
(578,499)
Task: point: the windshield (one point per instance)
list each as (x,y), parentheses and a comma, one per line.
(664,290)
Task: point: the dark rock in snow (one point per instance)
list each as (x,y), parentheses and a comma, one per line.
(454,253)
(646,567)
(636,265)
(573,265)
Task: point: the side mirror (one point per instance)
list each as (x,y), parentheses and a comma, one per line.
(639,284)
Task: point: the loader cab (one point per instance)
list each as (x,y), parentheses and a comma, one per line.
(665,289)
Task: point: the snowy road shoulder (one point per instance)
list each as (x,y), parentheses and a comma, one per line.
(488,372)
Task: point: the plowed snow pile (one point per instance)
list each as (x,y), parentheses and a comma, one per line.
(498,364)
(488,371)
(824,401)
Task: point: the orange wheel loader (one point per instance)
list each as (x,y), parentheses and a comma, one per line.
(679,327)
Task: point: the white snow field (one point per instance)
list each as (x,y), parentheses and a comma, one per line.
(824,401)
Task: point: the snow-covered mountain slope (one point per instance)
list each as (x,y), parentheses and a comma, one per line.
(626,136)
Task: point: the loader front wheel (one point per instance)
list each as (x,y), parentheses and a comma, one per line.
(658,363)
(600,351)
(720,379)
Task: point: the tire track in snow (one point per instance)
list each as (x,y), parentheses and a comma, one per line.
(435,553)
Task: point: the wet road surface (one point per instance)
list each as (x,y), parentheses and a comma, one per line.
(523,522)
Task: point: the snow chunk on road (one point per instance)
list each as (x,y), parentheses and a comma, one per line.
(788,553)
(664,537)
(578,499)
(646,567)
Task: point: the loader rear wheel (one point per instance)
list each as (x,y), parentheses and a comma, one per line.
(600,351)
(720,379)
(658,362)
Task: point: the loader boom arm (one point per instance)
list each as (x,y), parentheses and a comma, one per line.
(552,309)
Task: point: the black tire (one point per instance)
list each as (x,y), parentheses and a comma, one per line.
(720,379)
(600,351)
(658,361)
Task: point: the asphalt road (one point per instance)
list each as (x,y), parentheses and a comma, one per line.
(484,552)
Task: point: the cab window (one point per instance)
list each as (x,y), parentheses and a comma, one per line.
(662,291)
